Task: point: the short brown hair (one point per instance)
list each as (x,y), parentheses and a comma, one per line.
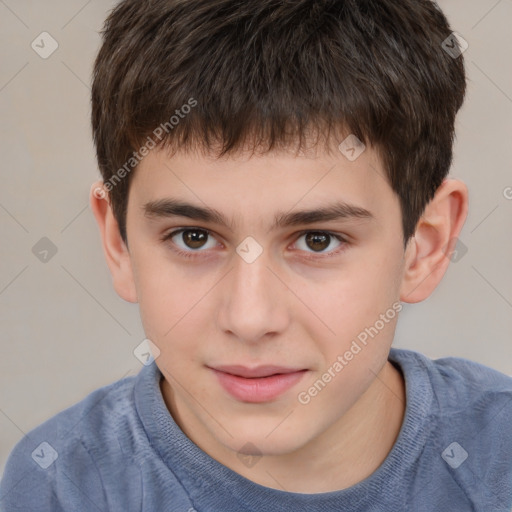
(265,73)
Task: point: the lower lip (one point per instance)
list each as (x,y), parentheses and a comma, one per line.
(261,389)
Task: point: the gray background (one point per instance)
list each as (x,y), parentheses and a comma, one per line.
(64,330)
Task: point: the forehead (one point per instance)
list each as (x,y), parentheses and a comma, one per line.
(256,184)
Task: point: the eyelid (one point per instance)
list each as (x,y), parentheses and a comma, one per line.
(167,236)
(319,255)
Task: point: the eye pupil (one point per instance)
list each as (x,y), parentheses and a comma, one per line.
(194,239)
(317,241)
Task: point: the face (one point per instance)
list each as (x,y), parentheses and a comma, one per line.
(244,276)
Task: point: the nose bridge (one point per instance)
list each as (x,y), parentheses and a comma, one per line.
(254,305)
(250,279)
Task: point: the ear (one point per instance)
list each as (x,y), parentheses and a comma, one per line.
(428,252)
(116,251)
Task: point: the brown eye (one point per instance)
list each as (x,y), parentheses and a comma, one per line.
(194,239)
(318,241)
(191,239)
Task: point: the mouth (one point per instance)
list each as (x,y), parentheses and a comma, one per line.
(256,385)
(256,372)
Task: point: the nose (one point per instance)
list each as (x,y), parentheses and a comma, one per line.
(254,303)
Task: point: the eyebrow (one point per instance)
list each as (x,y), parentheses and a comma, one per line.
(164,208)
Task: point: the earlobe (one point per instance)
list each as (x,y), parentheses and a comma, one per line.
(428,253)
(115,250)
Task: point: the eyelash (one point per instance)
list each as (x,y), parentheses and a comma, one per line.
(194,254)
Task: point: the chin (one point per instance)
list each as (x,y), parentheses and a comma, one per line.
(259,444)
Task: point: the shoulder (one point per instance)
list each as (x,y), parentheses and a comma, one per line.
(477,399)
(461,388)
(470,423)
(58,460)
(457,378)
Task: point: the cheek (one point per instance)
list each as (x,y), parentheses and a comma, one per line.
(375,278)
(360,305)
(163,296)
(174,307)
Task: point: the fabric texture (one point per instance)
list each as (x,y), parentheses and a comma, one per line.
(120,450)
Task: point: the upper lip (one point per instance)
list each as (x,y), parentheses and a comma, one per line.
(258,371)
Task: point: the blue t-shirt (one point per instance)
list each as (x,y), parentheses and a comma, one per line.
(119,450)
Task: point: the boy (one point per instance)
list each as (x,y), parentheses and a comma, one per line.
(274,187)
